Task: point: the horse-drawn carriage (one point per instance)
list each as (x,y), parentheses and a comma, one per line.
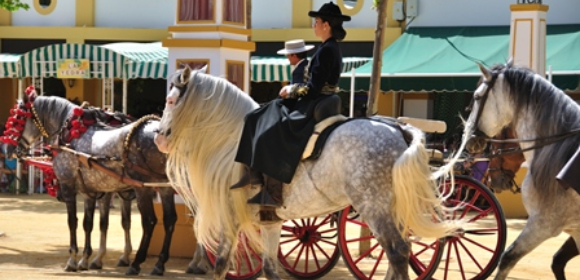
(311,247)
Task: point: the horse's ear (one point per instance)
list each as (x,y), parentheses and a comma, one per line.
(510,62)
(185,75)
(30,94)
(486,73)
(203,69)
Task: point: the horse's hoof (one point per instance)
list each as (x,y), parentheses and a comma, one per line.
(157,271)
(83,265)
(195,270)
(96,265)
(122,263)
(70,268)
(132,271)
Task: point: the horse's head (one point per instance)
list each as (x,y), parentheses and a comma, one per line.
(492,108)
(20,130)
(180,82)
(502,169)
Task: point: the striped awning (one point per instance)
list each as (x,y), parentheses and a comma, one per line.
(142,60)
(9,65)
(117,60)
(276,69)
(42,62)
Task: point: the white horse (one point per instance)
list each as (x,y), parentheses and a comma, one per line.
(365,163)
(540,112)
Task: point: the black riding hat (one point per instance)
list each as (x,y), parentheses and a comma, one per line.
(329,10)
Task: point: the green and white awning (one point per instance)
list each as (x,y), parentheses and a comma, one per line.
(277,69)
(42,62)
(9,65)
(142,60)
(117,60)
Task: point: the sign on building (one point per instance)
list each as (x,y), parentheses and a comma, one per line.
(73,69)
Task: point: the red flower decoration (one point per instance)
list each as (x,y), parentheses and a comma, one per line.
(78,111)
(83,129)
(75,123)
(29,89)
(75,133)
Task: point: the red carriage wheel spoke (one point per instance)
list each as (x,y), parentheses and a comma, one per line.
(425,247)
(360,223)
(481,215)
(479,245)
(454,244)
(470,255)
(292,250)
(327,242)
(485,231)
(366,253)
(447,260)
(289,240)
(376,264)
(471,202)
(314,257)
(327,231)
(322,250)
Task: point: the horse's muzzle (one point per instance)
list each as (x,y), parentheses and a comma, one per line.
(161,142)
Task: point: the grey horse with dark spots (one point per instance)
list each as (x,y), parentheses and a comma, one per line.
(113,149)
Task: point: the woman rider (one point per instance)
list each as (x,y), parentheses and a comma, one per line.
(274,136)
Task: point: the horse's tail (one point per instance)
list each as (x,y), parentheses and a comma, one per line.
(416,196)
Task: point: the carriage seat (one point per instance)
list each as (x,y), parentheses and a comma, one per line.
(428,126)
(327,107)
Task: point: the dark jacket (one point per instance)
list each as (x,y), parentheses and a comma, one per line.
(298,72)
(274,136)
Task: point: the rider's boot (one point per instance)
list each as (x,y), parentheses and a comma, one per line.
(249,177)
(272,188)
(568,176)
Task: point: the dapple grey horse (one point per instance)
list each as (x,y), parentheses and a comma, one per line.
(48,115)
(546,116)
(365,163)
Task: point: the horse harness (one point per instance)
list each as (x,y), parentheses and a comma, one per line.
(91,161)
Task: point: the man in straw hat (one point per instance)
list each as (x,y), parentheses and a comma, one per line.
(296,52)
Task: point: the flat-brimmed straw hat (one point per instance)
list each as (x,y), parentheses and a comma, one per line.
(295,46)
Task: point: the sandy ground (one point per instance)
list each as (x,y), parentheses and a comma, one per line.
(34,245)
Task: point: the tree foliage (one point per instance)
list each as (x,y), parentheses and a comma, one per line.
(13,5)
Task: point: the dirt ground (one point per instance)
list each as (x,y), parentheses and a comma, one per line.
(34,245)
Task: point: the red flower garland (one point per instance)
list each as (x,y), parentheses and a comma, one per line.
(15,124)
(50,181)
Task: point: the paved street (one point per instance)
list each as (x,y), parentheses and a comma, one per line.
(34,246)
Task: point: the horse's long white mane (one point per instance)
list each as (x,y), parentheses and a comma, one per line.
(206,126)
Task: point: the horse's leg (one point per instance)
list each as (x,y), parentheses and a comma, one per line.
(148,221)
(104,207)
(126,223)
(199,263)
(71,208)
(561,258)
(88,228)
(169,220)
(224,254)
(534,233)
(271,241)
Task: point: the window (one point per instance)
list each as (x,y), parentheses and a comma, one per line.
(193,63)
(234,11)
(235,73)
(195,10)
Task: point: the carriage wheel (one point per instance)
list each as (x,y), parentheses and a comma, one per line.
(308,247)
(474,252)
(366,259)
(247,264)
